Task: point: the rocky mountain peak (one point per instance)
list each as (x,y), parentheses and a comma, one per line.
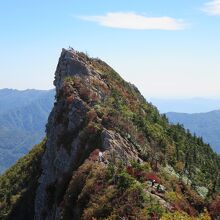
(70,64)
(110,155)
(75,127)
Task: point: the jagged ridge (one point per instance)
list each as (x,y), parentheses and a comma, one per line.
(97,109)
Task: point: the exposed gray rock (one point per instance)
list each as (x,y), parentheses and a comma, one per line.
(117,147)
(69,65)
(61,148)
(76,111)
(202,191)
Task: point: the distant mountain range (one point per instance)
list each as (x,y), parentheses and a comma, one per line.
(23,115)
(206,125)
(191,105)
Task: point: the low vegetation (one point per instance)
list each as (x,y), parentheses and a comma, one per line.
(18,185)
(159,143)
(99,191)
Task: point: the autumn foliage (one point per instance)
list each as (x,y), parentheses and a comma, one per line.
(215,208)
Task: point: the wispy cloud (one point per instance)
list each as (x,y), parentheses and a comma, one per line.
(212,8)
(130,20)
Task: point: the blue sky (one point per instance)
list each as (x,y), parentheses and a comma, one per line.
(167,48)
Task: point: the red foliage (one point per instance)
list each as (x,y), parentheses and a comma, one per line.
(140,138)
(130,170)
(138,174)
(84,93)
(93,96)
(214,208)
(94,155)
(101,85)
(91,115)
(182,205)
(152,176)
(154,216)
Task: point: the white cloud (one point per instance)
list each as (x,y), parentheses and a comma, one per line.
(212,8)
(135,21)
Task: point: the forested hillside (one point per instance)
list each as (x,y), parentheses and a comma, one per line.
(18,185)
(23,116)
(205,125)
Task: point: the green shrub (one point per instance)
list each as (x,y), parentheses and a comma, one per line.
(155,210)
(125,181)
(18,185)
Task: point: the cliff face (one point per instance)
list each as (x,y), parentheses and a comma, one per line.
(71,134)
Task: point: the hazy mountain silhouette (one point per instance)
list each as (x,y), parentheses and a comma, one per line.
(23,115)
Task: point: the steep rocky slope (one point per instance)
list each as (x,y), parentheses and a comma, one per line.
(97,111)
